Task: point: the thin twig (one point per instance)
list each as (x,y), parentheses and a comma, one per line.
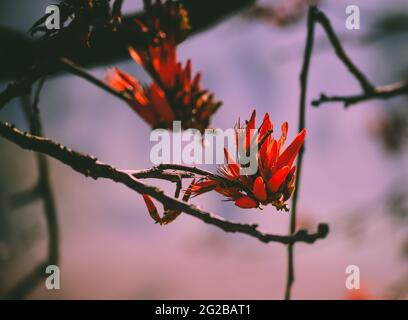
(369,91)
(302,124)
(382,92)
(73,68)
(23,86)
(154,173)
(322,19)
(91,167)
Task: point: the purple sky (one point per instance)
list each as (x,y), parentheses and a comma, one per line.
(112,249)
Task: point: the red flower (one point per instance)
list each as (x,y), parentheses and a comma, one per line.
(174,94)
(273,183)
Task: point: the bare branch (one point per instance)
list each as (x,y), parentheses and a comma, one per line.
(382,92)
(73,68)
(91,167)
(23,86)
(302,124)
(321,18)
(369,91)
(42,190)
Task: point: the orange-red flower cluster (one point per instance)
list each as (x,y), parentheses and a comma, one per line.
(274,181)
(174,93)
(164,20)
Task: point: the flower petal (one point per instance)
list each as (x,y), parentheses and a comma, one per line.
(135,55)
(151,208)
(259,189)
(289,155)
(250,127)
(282,139)
(232,166)
(278,178)
(160,104)
(246,202)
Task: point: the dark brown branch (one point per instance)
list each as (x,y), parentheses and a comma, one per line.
(91,167)
(382,92)
(73,68)
(24,85)
(154,173)
(369,91)
(23,198)
(27,283)
(313,11)
(322,19)
(108,47)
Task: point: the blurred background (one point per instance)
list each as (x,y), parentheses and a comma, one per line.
(354,175)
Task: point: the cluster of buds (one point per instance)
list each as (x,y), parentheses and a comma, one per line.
(163,21)
(274,180)
(174,94)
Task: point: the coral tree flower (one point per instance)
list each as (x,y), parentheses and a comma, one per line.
(274,181)
(174,93)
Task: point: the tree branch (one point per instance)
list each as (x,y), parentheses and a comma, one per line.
(313,11)
(44,191)
(91,167)
(107,46)
(322,19)
(24,85)
(369,91)
(382,92)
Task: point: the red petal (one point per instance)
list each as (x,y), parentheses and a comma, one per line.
(271,154)
(282,139)
(246,202)
(151,208)
(266,126)
(159,102)
(196,82)
(289,155)
(120,80)
(135,55)
(233,167)
(259,189)
(250,126)
(277,179)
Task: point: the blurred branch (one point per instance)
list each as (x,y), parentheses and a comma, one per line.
(108,46)
(24,85)
(42,189)
(91,167)
(27,284)
(73,68)
(311,16)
